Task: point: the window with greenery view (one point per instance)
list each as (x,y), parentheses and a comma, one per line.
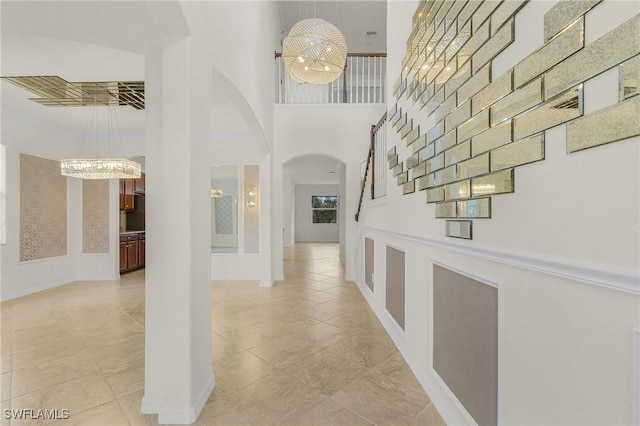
(324,208)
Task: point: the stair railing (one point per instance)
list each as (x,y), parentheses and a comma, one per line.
(371,163)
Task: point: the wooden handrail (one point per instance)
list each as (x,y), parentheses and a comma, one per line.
(370,162)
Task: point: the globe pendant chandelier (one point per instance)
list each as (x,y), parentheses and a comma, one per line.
(315,51)
(100,167)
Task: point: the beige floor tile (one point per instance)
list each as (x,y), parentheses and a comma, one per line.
(284,351)
(396,368)
(127,382)
(112,334)
(108,414)
(218,411)
(131,405)
(253,335)
(321,335)
(38,353)
(328,413)
(318,296)
(221,347)
(5,386)
(239,371)
(429,417)
(364,349)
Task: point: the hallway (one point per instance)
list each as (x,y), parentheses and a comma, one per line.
(308,351)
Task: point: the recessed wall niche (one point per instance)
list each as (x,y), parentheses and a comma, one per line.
(484,126)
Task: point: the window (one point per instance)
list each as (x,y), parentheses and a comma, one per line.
(324,208)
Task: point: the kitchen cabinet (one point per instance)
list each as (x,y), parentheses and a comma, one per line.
(141,249)
(129,188)
(131,253)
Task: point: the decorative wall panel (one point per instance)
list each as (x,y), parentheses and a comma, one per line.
(368,262)
(95,216)
(481,126)
(43,209)
(395,283)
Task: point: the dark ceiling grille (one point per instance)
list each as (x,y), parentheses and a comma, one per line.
(56,91)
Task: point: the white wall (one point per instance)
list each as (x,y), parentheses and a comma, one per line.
(563,250)
(288,212)
(306,230)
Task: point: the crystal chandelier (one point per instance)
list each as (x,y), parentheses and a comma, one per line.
(315,51)
(101,167)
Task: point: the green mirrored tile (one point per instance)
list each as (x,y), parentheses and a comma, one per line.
(457,190)
(564,13)
(444,176)
(556,111)
(418,171)
(491,138)
(506,10)
(445,108)
(419,143)
(495,183)
(426,153)
(480,208)
(435,101)
(435,194)
(630,78)
(496,44)
(458,153)
(413,161)
(495,91)
(393,162)
(620,121)
(520,152)
(556,50)
(427,181)
(408,188)
(458,79)
(483,12)
(473,167)
(435,163)
(601,55)
(407,128)
(435,132)
(402,178)
(391,153)
(458,116)
(517,101)
(444,210)
(472,86)
(413,135)
(459,229)
(397,169)
(446,142)
(475,125)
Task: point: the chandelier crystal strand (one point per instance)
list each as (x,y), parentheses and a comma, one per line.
(315,51)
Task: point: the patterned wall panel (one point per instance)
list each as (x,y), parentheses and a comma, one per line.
(368,262)
(224,215)
(95,216)
(395,285)
(43,209)
(487,125)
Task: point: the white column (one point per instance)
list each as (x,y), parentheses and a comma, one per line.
(277,241)
(178,373)
(267,214)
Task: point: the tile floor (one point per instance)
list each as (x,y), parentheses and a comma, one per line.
(308,351)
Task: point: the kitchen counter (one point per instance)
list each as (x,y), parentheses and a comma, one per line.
(132,232)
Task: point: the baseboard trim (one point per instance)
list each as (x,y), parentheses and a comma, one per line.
(35,289)
(188,415)
(150,405)
(266,283)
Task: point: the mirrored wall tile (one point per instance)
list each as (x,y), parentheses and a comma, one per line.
(402,89)
(480,80)
(520,152)
(506,10)
(397,84)
(471,47)
(404,131)
(517,101)
(601,55)
(564,13)
(459,229)
(458,79)
(393,162)
(564,45)
(455,10)
(445,108)
(496,44)
(630,78)
(458,116)
(479,208)
(446,210)
(397,116)
(435,163)
(392,112)
(418,171)
(413,161)
(558,110)
(435,132)
(496,183)
(444,176)
(446,142)
(473,167)
(435,101)
(458,153)
(444,9)
(620,121)
(497,90)
(413,135)
(458,190)
(426,153)
(409,188)
(472,127)
(419,143)
(468,11)
(491,138)
(427,181)
(391,153)
(397,169)
(463,35)
(435,194)
(403,178)
(483,12)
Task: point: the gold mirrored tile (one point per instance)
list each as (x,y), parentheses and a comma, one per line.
(393,162)
(617,122)
(458,153)
(484,11)
(472,86)
(446,210)
(491,138)
(435,163)
(468,11)
(496,183)
(458,116)
(418,171)
(496,44)
(409,188)
(413,161)
(435,132)
(457,190)
(459,229)
(601,55)
(419,143)
(413,135)
(445,108)
(458,79)
(391,153)
(473,167)
(558,110)
(495,91)
(425,182)
(402,178)
(444,176)
(435,194)
(520,152)
(435,101)
(563,13)
(444,9)
(397,84)
(395,171)
(475,125)
(398,117)
(506,10)
(630,78)
(479,208)
(556,50)
(426,153)
(408,128)
(446,142)
(473,45)
(517,101)
(391,114)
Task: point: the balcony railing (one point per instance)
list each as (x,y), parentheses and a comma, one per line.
(362,82)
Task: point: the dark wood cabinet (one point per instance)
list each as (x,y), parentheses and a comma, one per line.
(141,250)
(132,251)
(139,184)
(129,188)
